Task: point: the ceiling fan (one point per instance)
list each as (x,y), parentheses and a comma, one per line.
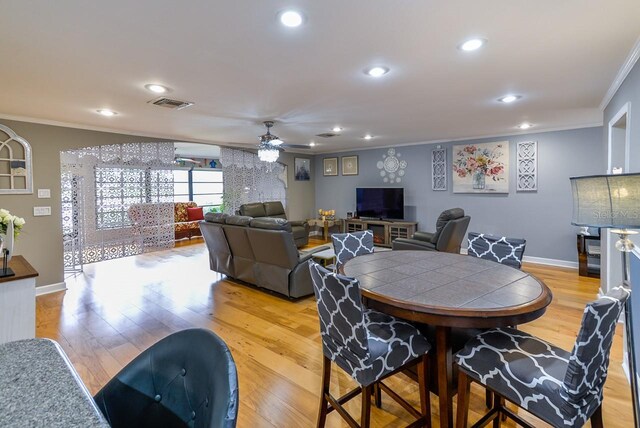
(270,145)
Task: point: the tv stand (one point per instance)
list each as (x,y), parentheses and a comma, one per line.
(384,231)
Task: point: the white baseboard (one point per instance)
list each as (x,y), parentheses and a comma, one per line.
(51,288)
(542,261)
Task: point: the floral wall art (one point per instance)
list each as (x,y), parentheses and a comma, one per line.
(481,168)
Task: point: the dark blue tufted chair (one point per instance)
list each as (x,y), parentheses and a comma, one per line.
(187,379)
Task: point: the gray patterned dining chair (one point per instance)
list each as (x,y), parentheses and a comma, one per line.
(508,251)
(350,245)
(370,346)
(562,388)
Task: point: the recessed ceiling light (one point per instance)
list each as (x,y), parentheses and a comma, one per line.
(509,98)
(336,129)
(525,125)
(291,18)
(312,144)
(368,137)
(106,112)
(158,89)
(472,44)
(377,71)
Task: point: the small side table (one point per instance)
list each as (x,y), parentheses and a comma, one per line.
(326,257)
(18,302)
(326,224)
(589,255)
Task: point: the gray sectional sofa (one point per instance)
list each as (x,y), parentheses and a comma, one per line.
(299,228)
(259,251)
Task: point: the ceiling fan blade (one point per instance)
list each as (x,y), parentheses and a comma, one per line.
(295,146)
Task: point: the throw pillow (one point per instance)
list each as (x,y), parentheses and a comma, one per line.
(194,214)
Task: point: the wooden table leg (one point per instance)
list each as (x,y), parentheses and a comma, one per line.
(444,362)
(325,231)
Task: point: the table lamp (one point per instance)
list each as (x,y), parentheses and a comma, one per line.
(613,201)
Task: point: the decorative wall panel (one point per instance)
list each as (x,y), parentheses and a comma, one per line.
(439,169)
(100,185)
(527,162)
(16,173)
(392,169)
(248,179)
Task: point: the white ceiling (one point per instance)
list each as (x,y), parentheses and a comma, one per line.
(63,60)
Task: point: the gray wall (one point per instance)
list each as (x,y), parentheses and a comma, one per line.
(542,217)
(300,194)
(629,91)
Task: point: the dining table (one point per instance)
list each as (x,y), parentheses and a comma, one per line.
(447,292)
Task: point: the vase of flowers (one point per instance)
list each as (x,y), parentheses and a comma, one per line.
(478,179)
(10,228)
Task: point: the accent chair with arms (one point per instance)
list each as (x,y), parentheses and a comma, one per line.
(508,251)
(370,346)
(562,388)
(350,245)
(451,227)
(188,378)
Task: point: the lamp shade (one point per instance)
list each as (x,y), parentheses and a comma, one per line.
(606,201)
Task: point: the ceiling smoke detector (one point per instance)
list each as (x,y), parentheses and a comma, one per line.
(170,103)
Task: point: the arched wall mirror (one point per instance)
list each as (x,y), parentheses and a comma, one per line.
(16,173)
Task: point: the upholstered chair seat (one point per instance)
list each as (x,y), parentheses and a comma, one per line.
(562,388)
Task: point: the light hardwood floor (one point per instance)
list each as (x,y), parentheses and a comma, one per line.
(118,308)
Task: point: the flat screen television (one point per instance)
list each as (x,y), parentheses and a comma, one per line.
(380,202)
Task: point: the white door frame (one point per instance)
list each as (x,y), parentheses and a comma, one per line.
(625,109)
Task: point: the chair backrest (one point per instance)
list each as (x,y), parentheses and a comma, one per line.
(350,245)
(188,378)
(274,209)
(508,251)
(445,217)
(589,361)
(452,234)
(342,327)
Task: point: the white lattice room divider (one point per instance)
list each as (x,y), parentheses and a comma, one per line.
(439,169)
(527,164)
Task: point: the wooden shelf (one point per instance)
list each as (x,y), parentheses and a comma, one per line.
(588,255)
(384,232)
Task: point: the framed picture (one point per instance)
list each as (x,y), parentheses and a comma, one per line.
(481,168)
(330,166)
(350,165)
(302,169)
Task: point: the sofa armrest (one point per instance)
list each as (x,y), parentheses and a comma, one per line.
(423,236)
(303,223)
(412,244)
(306,256)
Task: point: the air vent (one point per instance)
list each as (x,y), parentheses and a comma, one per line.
(327,135)
(169,103)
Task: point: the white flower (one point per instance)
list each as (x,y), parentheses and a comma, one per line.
(7,219)
(18,221)
(3,213)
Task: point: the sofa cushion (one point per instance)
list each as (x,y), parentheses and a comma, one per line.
(443,219)
(181,210)
(274,209)
(238,220)
(253,210)
(271,224)
(215,217)
(195,213)
(187,225)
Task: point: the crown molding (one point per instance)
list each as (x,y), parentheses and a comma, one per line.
(476,137)
(624,71)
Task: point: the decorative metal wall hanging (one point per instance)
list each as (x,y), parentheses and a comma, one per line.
(527,162)
(16,173)
(392,169)
(439,169)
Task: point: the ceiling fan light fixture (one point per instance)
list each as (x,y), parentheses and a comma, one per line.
(268,153)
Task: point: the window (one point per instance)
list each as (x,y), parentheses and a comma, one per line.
(116,189)
(119,187)
(203,186)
